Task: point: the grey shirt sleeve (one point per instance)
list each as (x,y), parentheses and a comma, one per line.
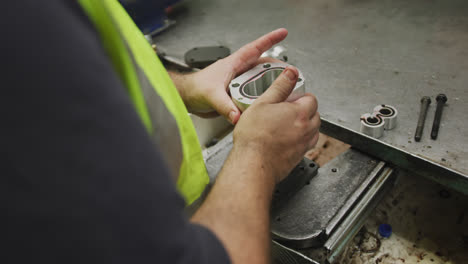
(81,181)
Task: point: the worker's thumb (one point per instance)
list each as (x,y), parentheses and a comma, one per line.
(281,88)
(224,105)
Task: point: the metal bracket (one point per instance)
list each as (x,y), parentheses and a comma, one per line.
(320,220)
(314,213)
(250,85)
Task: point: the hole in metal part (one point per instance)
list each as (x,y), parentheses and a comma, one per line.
(299,80)
(312,165)
(385,111)
(334,170)
(260,85)
(372,120)
(266,66)
(235,85)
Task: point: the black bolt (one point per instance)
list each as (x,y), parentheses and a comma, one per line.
(425,102)
(441,100)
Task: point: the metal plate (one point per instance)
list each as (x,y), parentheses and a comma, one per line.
(353,222)
(201,57)
(355,55)
(303,221)
(399,157)
(297,179)
(283,255)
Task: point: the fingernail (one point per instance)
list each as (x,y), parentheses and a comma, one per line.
(290,74)
(232,115)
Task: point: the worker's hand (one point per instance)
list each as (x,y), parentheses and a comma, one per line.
(209,87)
(280,132)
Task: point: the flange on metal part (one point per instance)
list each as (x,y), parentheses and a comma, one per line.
(389,115)
(250,85)
(372,125)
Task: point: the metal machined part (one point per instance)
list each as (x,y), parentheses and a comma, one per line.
(354,220)
(372,125)
(299,177)
(250,85)
(389,115)
(314,213)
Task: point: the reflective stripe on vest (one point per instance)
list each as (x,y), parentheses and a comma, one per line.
(151,90)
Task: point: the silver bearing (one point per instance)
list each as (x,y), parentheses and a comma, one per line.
(250,85)
(389,115)
(372,125)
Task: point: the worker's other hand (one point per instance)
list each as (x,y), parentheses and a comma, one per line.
(209,87)
(280,132)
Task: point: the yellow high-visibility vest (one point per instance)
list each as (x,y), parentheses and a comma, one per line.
(153,94)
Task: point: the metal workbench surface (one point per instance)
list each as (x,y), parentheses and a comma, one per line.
(356,55)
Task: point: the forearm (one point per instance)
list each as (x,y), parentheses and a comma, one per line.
(186,86)
(237,208)
(181,81)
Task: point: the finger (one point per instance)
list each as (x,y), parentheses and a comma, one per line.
(281,87)
(223,104)
(247,56)
(314,140)
(269,60)
(211,114)
(313,130)
(316,122)
(308,104)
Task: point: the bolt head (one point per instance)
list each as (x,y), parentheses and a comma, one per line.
(441,98)
(426,99)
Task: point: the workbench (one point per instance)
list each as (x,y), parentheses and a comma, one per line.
(356,55)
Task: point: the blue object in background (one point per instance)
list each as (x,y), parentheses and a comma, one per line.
(385,230)
(149,15)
